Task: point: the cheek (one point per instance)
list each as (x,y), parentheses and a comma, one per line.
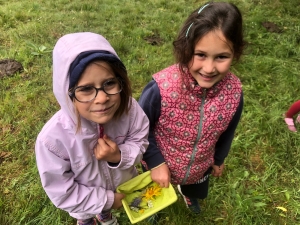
(191,63)
(116,100)
(80,108)
(225,67)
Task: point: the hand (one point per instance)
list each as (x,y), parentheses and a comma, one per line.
(161,175)
(217,170)
(107,150)
(117,201)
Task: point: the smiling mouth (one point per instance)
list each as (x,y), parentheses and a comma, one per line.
(208,76)
(102,110)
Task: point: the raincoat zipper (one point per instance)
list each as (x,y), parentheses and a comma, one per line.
(108,175)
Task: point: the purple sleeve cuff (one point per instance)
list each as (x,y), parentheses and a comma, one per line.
(110,200)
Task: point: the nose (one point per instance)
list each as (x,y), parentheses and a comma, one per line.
(101,97)
(208,66)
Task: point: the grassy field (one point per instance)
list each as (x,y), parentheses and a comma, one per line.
(261,180)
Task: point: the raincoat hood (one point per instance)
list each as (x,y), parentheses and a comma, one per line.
(65,52)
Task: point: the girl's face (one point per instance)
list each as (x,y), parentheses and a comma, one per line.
(102,109)
(212,59)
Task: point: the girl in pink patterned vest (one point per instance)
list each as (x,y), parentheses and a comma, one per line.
(195,105)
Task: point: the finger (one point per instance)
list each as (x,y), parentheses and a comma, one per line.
(164,185)
(101,142)
(98,154)
(108,141)
(122,196)
(216,174)
(106,138)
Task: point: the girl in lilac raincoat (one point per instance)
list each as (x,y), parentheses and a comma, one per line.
(92,144)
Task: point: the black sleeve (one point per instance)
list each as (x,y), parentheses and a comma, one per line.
(224,143)
(150,101)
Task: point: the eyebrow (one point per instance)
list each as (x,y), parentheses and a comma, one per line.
(221,53)
(92,83)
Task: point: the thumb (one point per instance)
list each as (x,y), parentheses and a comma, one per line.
(108,140)
(123,195)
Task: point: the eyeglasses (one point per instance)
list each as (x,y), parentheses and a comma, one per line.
(89,93)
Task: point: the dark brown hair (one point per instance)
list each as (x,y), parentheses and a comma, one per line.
(214,16)
(126,93)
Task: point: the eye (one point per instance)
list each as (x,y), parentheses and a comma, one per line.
(85,89)
(200,55)
(222,57)
(111,83)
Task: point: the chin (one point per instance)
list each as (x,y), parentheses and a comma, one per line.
(205,85)
(102,120)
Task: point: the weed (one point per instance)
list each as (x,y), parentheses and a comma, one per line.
(38,50)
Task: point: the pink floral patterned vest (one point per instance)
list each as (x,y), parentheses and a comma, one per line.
(191,121)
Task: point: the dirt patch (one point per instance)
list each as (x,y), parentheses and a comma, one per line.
(154,39)
(4,156)
(9,67)
(257,162)
(272,27)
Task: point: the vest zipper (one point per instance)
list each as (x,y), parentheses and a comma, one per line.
(198,136)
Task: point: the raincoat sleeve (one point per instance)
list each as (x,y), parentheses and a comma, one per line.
(224,143)
(150,101)
(59,184)
(136,142)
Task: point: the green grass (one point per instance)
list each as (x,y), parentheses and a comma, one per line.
(263,167)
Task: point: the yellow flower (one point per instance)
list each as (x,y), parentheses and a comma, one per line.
(152,192)
(141,211)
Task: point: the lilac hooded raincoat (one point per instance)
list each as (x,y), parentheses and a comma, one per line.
(72,177)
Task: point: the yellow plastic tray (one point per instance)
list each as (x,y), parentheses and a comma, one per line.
(167,197)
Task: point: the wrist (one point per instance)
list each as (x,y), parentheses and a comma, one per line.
(158,166)
(218,162)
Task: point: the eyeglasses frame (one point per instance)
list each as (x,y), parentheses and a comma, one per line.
(72,95)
